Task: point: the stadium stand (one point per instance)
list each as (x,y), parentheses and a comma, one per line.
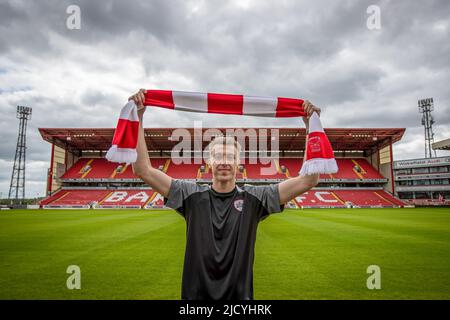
(88,180)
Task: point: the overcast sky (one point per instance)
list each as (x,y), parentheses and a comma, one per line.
(319,50)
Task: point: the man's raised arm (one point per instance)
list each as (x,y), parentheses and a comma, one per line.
(156,179)
(293,187)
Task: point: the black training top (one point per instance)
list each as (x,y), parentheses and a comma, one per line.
(220,236)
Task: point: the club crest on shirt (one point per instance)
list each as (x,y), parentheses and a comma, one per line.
(238,204)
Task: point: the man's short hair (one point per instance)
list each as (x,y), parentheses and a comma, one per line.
(224,141)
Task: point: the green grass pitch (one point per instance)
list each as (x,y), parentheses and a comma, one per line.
(300,254)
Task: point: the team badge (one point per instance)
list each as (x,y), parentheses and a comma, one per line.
(314,144)
(238,204)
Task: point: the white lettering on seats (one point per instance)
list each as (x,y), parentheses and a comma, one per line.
(319,194)
(143,196)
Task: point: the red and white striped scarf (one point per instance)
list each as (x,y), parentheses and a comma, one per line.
(319,157)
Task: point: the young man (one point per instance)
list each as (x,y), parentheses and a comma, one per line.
(221,219)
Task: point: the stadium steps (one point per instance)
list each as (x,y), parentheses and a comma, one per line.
(296,203)
(113,175)
(292,204)
(105,197)
(52,198)
(288,174)
(85,173)
(244,174)
(359,174)
(362,168)
(119,174)
(391,198)
(166,165)
(383,198)
(199,171)
(150,199)
(337,198)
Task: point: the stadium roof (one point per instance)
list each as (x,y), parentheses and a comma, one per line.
(290,139)
(441,145)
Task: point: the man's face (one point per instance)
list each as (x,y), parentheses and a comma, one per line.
(224,162)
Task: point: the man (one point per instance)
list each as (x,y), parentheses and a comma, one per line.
(221,219)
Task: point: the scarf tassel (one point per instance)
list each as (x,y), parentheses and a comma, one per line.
(319,156)
(123,149)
